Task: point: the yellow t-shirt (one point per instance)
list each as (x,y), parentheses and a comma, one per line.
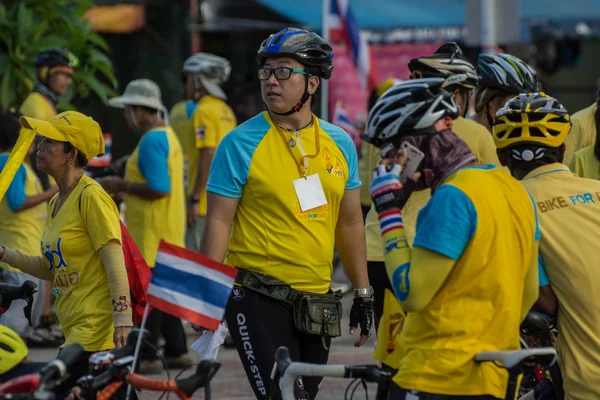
(21,230)
(213,119)
(36,106)
(583,132)
(157,161)
(481,144)
(585,164)
(569,218)
(485,221)
(271,234)
(70,242)
(182,123)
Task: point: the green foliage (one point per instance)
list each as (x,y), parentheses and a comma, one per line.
(28,27)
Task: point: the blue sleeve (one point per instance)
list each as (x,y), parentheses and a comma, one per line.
(190,106)
(15,194)
(536,235)
(346,146)
(231,162)
(153,156)
(542,276)
(447,223)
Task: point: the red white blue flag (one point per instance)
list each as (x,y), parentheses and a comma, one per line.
(343,24)
(190,286)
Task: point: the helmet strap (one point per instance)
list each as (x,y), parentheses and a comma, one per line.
(44,90)
(300,104)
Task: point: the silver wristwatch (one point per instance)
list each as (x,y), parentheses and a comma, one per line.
(363,292)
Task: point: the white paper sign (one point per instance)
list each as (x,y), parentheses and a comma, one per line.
(310,192)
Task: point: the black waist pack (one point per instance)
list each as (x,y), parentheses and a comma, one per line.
(314,314)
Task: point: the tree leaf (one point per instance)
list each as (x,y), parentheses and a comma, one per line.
(100,89)
(7,89)
(4,63)
(108,72)
(98,57)
(24,23)
(50,41)
(98,41)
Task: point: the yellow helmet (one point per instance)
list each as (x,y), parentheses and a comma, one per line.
(385,85)
(531,118)
(12,349)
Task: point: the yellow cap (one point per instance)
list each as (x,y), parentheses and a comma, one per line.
(70,126)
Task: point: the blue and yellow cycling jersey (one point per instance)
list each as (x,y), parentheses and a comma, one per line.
(485,221)
(157,161)
(569,212)
(271,234)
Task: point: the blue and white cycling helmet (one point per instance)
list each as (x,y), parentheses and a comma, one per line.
(307,47)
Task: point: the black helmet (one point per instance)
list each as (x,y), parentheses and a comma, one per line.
(307,47)
(56,57)
(447,62)
(410,107)
(508,73)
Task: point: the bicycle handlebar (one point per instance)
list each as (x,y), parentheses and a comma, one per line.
(289,371)
(9,293)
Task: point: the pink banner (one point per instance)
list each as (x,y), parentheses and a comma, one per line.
(391,61)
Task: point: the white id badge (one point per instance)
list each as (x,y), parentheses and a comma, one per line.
(310,192)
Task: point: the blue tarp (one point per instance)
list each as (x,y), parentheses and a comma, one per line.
(390,14)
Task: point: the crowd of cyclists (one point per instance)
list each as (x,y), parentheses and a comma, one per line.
(498,217)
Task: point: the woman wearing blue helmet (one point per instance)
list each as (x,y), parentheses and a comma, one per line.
(283,191)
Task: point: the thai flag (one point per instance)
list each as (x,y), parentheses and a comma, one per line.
(342,119)
(341,20)
(190,286)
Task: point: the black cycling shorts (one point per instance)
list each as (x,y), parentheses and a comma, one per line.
(259,325)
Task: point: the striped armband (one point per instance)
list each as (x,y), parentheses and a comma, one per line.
(390,220)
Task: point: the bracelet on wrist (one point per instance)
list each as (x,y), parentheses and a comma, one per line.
(390,220)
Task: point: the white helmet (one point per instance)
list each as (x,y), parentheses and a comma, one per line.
(409,108)
(211,70)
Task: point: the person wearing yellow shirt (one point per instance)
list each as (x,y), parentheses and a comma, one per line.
(471,275)
(54,71)
(584,131)
(447,62)
(212,120)
(282,191)
(154,196)
(582,145)
(22,219)
(80,247)
(182,122)
(501,77)
(569,215)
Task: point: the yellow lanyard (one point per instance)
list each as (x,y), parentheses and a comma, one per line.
(304,165)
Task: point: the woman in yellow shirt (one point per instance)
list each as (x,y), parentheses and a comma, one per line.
(81,249)
(22,219)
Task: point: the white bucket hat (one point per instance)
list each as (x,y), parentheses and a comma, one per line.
(139,92)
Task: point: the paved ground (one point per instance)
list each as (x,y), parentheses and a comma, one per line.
(231,383)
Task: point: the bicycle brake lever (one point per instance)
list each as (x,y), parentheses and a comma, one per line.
(27,309)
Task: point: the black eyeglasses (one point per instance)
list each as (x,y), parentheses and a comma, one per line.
(281,73)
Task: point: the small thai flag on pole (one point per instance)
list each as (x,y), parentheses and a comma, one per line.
(190,286)
(187,285)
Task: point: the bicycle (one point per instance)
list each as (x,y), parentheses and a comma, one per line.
(539,327)
(10,293)
(40,385)
(514,361)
